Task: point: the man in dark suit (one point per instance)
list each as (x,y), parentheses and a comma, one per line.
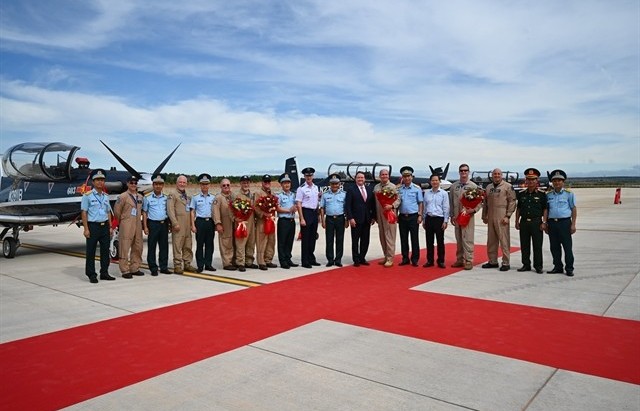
(360,208)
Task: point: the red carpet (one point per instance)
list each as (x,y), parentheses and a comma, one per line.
(54,370)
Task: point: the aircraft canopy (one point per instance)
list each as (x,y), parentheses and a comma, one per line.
(347,171)
(39,161)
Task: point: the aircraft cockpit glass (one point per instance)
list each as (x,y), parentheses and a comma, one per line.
(39,161)
(347,171)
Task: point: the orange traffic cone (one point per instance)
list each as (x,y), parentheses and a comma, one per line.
(617,198)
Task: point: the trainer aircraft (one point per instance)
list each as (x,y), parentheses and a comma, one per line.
(346,172)
(41,185)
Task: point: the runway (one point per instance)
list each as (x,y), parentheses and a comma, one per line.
(401,338)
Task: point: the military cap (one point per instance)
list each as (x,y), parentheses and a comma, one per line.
(333,178)
(245,178)
(555,174)
(266,178)
(308,171)
(406,171)
(132,178)
(284,178)
(98,173)
(158,179)
(204,178)
(531,173)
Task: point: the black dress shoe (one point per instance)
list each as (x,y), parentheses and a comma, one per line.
(128,276)
(306,265)
(404,262)
(555,271)
(415,264)
(315,263)
(262,267)
(490,265)
(338,264)
(93,279)
(364,262)
(154,273)
(441,265)
(166,271)
(292,264)
(285,266)
(505,267)
(271,265)
(524,268)
(539,270)
(356,264)
(199,270)
(241,268)
(138,273)
(254,266)
(106,277)
(230,268)
(428,264)
(209,268)
(330,264)
(569,273)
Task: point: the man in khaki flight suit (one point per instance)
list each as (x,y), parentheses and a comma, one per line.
(245,247)
(223,220)
(499,205)
(266,244)
(128,211)
(386,230)
(180,216)
(464,235)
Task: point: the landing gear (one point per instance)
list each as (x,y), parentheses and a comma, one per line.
(10,244)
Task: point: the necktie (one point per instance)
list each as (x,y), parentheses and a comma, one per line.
(364,193)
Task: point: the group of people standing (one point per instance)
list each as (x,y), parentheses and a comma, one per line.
(358,207)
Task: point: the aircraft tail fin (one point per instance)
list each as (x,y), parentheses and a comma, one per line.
(291,168)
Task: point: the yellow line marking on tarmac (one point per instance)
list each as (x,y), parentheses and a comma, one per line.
(218,278)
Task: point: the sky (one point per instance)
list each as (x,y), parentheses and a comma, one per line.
(244,84)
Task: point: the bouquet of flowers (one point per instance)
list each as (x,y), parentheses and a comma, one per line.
(388,196)
(470,199)
(268,204)
(242,211)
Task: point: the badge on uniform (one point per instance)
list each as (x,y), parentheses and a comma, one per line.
(134,212)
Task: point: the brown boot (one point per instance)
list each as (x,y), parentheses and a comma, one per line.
(468,265)
(457,264)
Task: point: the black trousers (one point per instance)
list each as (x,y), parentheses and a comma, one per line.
(98,233)
(433,228)
(334,230)
(360,236)
(408,226)
(560,239)
(205,234)
(530,233)
(158,236)
(309,235)
(286,232)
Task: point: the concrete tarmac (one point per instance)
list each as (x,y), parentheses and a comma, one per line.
(325,365)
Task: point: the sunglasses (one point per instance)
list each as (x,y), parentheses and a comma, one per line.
(135,183)
(225,185)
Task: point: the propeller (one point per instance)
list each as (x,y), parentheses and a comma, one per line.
(132,170)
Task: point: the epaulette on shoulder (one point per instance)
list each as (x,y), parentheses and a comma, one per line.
(88,193)
(567,190)
(148,194)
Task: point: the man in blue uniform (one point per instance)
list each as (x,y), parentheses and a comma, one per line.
(333,220)
(307,199)
(532,204)
(96,213)
(560,223)
(286,229)
(155,224)
(202,224)
(409,216)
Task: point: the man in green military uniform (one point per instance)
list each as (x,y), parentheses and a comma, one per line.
(529,212)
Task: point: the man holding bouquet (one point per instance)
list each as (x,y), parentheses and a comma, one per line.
(223,220)
(387,201)
(266,207)
(464,230)
(246,244)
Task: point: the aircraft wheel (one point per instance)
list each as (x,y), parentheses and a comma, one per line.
(114,250)
(9,247)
